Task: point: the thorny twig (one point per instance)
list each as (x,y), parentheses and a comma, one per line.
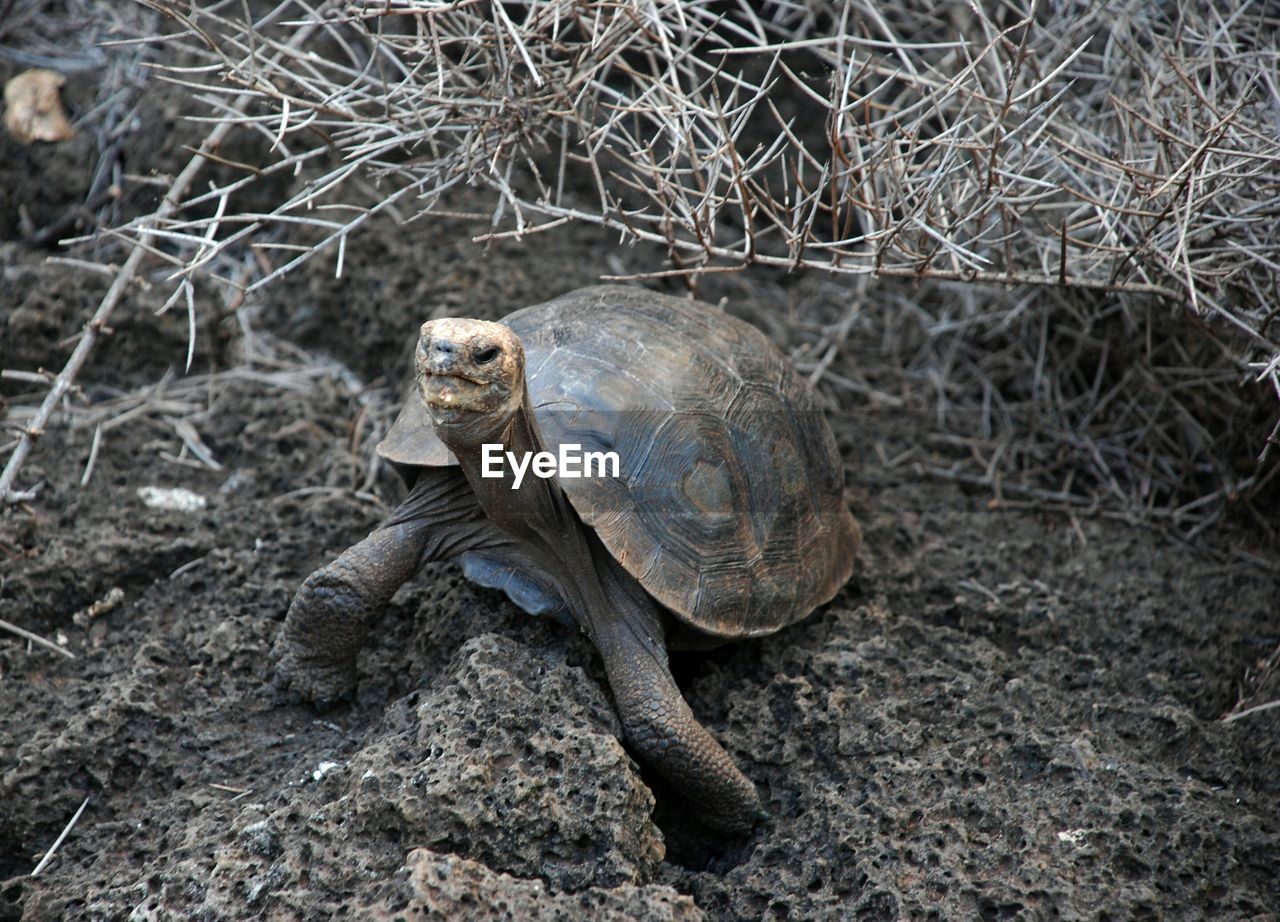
(1123,159)
(995,155)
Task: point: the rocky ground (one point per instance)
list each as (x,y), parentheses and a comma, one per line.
(1007,713)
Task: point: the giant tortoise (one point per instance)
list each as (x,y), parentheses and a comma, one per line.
(725,517)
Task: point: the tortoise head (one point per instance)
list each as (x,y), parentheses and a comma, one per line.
(470,376)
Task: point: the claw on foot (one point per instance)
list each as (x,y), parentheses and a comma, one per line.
(316,651)
(302,676)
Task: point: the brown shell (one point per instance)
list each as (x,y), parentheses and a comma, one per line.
(729,509)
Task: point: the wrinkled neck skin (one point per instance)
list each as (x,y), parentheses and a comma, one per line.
(601,594)
(538,511)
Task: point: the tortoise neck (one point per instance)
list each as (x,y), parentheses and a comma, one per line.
(597,588)
(523,503)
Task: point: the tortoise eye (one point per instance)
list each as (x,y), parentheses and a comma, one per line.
(486,355)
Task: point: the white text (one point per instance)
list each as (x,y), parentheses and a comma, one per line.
(571,461)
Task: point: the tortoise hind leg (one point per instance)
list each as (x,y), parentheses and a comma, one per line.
(662,728)
(658,721)
(331,613)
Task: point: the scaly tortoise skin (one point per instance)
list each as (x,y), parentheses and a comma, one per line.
(727,520)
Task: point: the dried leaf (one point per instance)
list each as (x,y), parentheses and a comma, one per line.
(33,108)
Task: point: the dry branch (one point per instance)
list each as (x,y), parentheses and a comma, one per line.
(35,639)
(62,837)
(989,147)
(147,230)
(673,108)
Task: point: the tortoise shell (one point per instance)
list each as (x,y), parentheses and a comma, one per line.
(729,505)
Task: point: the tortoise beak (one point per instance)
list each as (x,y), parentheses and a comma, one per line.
(428,373)
(443,359)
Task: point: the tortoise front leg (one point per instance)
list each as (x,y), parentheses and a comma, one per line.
(331,613)
(659,723)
